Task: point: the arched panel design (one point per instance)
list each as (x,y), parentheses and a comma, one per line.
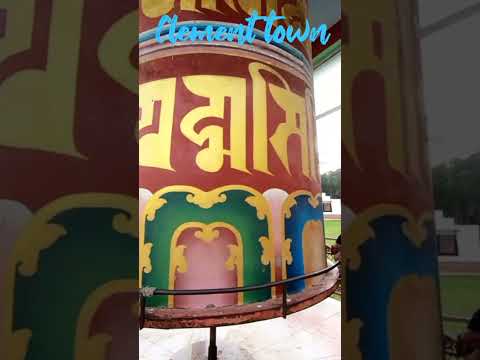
(241,210)
(314,254)
(44,265)
(206,256)
(300,209)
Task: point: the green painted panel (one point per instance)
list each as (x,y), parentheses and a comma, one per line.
(235,211)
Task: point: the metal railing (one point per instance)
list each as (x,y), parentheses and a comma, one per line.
(148,292)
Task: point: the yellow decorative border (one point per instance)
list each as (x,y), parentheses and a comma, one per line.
(40,235)
(205,200)
(360,230)
(95,347)
(206,233)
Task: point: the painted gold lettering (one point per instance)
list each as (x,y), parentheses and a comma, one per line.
(295,124)
(155,138)
(189,5)
(155,8)
(158,8)
(217,89)
(260,114)
(46,124)
(248,6)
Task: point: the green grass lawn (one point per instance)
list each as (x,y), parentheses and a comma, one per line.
(460,296)
(333,228)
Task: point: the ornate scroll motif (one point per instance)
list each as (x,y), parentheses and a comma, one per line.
(206,200)
(286,252)
(208,233)
(260,204)
(268,255)
(126,224)
(152,206)
(360,230)
(357,234)
(314,201)
(46,235)
(288,205)
(416,231)
(145,261)
(178,259)
(235,259)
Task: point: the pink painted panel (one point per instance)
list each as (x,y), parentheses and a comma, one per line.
(206,269)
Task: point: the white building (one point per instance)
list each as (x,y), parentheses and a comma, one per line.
(457,243)
(332,208)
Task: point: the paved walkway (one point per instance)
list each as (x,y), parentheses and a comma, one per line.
(313,334)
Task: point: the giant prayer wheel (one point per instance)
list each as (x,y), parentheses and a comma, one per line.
(68,202)
(391,291)
(230,193)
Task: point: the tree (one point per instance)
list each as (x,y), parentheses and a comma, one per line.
(456,187)
(332,183)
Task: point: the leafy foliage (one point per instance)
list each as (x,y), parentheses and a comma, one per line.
(332,183)
(456,187)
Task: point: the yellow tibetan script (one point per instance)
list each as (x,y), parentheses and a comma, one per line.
(157,104)
(158,8)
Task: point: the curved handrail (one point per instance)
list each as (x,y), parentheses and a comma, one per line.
(148,292)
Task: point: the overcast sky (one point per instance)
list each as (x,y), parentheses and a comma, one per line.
(451,63)
(328,92)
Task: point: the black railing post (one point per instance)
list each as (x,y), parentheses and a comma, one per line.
(284,301)
(142,311)
(212,347)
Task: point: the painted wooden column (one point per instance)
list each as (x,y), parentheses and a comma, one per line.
(391,302)
(229,182)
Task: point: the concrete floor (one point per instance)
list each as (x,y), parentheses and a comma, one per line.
(312,334)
